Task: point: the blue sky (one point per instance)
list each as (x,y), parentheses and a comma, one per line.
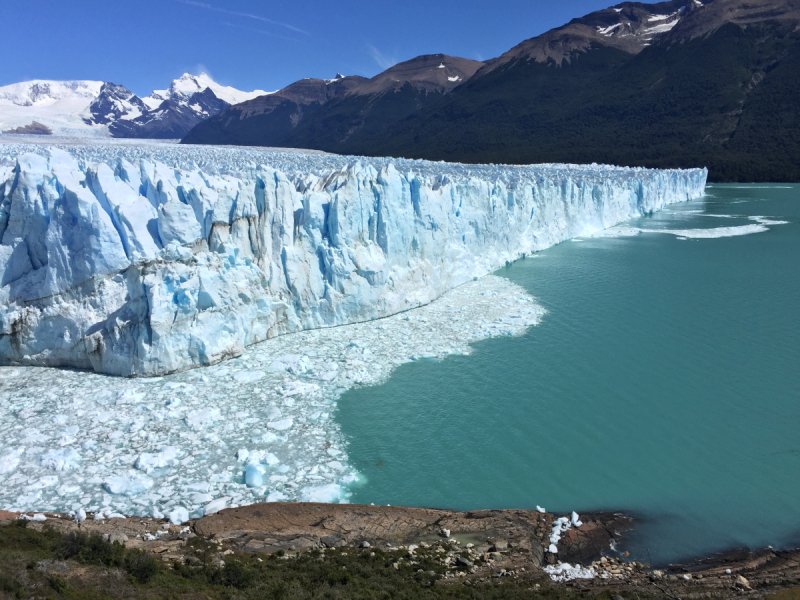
(257,44)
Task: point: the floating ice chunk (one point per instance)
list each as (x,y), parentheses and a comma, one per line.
(200,419)
(242,454)
(768,221)
(567,572)
(331,492)
(712,233)
(277,497)
(248,376)
(253,477)
(34,436)
(292,363)
(298,387)
(271,459)
(178,515)
(128,484)
(281,425)
(166,457)
(65,459)
(130,397)
(44,482)
(540,509)
(9,459)
(199,486)
(216,505)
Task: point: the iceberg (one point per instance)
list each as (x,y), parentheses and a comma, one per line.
(142,260)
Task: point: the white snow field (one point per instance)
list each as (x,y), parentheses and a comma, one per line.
(149,259)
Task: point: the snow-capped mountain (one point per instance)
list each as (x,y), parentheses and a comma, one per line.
(115,102)
(40,92)
(58,105)
(187,85)
(96,108)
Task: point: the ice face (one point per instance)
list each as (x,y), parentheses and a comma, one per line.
(147,259)
(254,428)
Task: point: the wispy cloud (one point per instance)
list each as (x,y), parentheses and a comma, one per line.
(236,13)
(384,61)
(260,31)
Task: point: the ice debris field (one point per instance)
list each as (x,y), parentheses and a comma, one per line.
(150,259)
(252,428)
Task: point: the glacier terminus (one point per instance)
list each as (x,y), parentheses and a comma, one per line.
(147,259)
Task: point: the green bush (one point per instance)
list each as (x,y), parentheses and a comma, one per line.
(235,574)
(141,565)
(58,584)
(8,584)
(92,550)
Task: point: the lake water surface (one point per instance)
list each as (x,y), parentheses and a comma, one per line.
(664,381)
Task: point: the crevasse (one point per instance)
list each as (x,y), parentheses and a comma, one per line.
(140,260)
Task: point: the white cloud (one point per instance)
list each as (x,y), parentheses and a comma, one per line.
(242,14)
(261,31)
(384,61)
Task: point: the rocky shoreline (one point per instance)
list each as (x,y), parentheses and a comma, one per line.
(470,548)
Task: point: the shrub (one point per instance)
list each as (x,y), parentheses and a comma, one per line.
(141,565)
(58,584)
(92,550)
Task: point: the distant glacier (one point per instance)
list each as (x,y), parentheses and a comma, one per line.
(140,260)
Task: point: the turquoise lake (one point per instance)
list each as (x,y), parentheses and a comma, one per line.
(663,382)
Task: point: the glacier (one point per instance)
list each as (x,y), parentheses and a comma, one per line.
(142,260)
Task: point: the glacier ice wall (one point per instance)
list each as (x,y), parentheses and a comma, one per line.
(143,260)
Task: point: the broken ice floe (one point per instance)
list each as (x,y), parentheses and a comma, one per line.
(253,428)
(760,225)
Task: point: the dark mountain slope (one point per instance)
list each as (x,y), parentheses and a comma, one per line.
(630,27)
(339,110)
(674,84)
(172,119)
(706,101)
(267,120)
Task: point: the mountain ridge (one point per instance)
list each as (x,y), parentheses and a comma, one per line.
(675,84)
(96,108)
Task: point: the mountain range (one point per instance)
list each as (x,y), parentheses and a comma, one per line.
(674,84)
(97,108)
(680,83)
